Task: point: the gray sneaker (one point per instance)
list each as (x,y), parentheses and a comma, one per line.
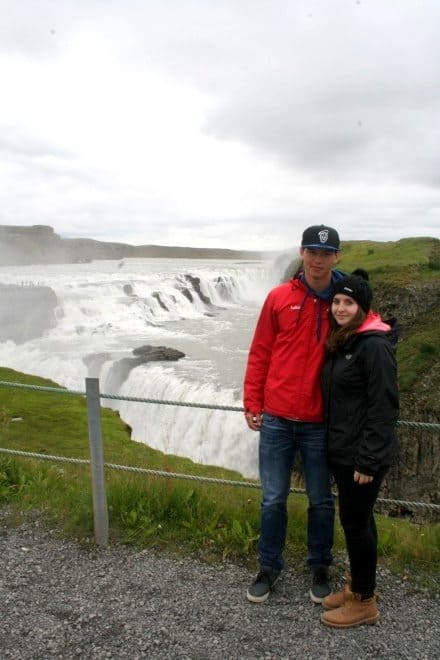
(320,583)
(263,584)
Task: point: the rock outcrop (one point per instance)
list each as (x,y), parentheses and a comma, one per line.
(416,477)
(406,303)
(120,370)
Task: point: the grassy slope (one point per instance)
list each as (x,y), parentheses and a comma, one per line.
(53,423)
(57,424)
(395,262)
(213,521)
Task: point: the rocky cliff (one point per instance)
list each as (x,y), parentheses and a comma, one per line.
(417,308)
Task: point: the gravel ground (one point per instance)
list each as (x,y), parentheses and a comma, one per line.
(62,601)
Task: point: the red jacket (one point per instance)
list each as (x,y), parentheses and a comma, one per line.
(287,353)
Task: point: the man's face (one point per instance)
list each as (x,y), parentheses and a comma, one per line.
(318,263)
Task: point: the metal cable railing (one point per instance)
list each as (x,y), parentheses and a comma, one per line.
(428,426)
(193,477)
(97,463)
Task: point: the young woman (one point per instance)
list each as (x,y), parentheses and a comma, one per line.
(361,406)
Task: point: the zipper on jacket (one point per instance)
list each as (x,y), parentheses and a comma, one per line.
(318,320)
(317,301)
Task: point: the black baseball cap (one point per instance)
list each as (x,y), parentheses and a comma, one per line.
(320,236)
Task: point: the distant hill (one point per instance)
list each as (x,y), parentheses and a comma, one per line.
(40,244)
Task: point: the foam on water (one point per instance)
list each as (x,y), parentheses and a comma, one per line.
(206,436)
(205,308)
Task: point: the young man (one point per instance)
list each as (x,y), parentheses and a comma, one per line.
(283,400)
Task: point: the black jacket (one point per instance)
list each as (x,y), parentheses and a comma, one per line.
(361,400)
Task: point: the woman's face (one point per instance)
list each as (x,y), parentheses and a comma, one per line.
(344,309)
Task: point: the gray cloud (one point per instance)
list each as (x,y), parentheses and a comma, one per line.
(341,90)
(363,104)
(343,97)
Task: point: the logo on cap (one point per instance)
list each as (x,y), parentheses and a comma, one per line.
(323,235)
(320,236)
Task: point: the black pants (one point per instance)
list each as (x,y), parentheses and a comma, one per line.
(356,505)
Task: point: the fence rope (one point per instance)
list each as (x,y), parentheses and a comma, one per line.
(193,477)
(428,426)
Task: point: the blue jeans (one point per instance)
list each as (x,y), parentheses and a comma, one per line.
(280,439)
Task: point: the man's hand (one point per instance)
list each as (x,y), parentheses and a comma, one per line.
(254,420)
(362,479)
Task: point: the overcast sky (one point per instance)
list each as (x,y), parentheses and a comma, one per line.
(220,123)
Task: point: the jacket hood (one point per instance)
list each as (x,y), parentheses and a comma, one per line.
(374,322)
(374,325)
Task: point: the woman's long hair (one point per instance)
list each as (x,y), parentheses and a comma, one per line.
(338,335)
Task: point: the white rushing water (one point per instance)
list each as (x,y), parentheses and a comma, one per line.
(204,308)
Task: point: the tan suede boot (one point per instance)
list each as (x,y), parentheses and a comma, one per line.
(336,599)
(354,612)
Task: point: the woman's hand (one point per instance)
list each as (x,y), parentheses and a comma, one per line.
(362,479)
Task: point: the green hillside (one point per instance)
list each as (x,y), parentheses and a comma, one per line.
(396,262)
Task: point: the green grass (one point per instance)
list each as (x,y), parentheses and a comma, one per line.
(213,521)
(397,262)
